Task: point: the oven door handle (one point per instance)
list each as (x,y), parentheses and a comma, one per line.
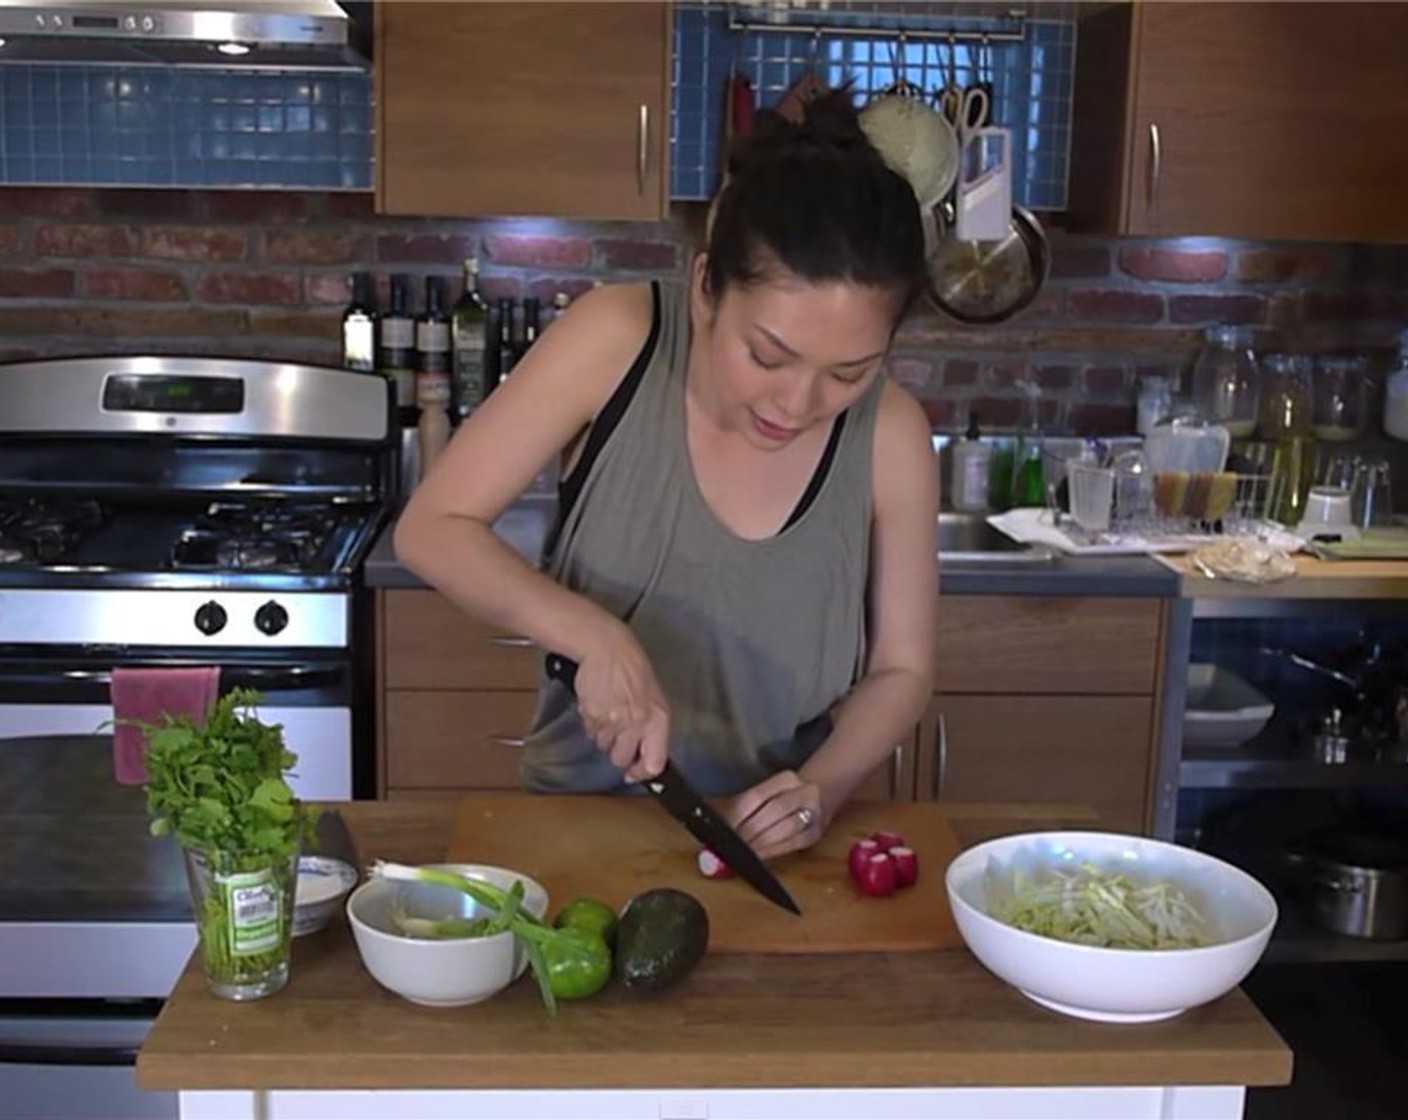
(280,678)
(51,1054)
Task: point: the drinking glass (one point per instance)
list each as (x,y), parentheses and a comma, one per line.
(1092,494)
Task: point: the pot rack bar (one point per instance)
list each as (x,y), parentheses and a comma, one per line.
(902,26)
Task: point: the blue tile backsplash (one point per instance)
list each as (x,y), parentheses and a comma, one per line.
(148,126)
(1032,79)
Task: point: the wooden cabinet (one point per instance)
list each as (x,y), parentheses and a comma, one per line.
(522,108)
(1029,644)
(1265,120)
(457,698)
(1048,700)
(1077,750)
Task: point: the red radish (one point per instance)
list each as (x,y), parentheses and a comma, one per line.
(711,866)
(877,878)
(906,866)
(856,858)
(888,840)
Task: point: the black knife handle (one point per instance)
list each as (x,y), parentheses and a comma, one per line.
(564,670)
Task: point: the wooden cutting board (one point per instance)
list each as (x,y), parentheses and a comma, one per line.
(615,847)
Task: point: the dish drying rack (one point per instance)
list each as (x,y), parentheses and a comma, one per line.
(1150,530)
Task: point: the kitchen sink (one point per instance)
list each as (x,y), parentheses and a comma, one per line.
(967,538)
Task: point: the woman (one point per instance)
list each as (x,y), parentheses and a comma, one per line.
(743,566)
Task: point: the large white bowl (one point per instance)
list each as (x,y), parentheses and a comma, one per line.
(1112,985)
(438,973)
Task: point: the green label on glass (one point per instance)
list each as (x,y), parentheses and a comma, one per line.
(253,902)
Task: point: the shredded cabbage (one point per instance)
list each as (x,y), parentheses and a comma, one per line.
(1103,908)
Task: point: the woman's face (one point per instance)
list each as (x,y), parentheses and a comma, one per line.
(785,355)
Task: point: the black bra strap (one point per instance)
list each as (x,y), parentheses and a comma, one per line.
(823,468)
(569,489)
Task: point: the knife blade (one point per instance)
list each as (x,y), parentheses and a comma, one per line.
(672,790)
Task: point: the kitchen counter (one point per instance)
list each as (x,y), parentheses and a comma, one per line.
(1314,579)
(882,1035)
(526,523)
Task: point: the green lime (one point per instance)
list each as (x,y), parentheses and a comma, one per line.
(591,915)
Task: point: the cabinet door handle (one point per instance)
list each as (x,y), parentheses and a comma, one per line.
(508,740)
(941,763)
(642,147)
(513,643)
(1156,164)
(896,767)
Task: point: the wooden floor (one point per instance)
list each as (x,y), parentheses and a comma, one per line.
(1348,1028)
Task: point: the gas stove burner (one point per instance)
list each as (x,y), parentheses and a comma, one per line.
(44,531)
(266,518)
(203,548)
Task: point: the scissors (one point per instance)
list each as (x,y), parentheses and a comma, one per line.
(966,108)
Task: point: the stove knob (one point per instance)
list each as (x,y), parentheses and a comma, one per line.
(210,618)
(270,618)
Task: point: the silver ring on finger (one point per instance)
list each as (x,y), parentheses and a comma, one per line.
(805,817)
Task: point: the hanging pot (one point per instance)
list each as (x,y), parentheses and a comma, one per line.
(981,282)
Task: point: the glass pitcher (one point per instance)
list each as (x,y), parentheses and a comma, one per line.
(1225,389)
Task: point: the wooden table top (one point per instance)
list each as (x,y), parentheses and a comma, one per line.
(740,1021)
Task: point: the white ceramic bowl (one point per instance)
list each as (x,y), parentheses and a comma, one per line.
(323,882)
(1113,985)
(438,973)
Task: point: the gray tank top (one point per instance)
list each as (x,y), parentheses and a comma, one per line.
(752,641)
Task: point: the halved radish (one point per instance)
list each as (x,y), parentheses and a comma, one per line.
(711,866)
(906,866)
(877,877)
(887,840)
(856,858)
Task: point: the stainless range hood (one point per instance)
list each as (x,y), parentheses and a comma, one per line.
(282,34)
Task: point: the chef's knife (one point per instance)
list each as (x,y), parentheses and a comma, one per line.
(680,800)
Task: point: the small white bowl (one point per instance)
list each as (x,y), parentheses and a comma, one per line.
(323,882)
(438,973)
(1113,985)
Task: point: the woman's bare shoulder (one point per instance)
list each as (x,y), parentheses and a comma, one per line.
(605,329)
(903,440)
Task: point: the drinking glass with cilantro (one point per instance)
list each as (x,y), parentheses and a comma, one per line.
(220,790)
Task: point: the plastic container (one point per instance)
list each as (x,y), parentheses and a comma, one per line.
(1396,393)
(1155,402)
(971,471)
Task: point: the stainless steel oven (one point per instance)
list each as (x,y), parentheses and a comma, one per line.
(159,512)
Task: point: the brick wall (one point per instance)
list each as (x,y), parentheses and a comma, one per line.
(258,274)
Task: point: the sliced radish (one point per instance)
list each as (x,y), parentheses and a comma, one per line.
(711,866)
(887,840)
(906,866)
(878,877)
(856,858)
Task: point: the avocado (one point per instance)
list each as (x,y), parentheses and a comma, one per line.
(662,934)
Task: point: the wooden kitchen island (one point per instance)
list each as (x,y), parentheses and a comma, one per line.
(860,1036)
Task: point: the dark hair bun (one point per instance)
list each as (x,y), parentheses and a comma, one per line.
(829,127)
(807,193)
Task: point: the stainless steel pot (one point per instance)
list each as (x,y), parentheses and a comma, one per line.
(1357,882)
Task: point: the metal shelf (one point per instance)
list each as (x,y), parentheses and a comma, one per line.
(1274,761)
(1297,941)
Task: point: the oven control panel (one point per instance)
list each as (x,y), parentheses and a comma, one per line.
(160,617)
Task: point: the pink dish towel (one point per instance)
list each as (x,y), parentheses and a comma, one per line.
(144,694)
